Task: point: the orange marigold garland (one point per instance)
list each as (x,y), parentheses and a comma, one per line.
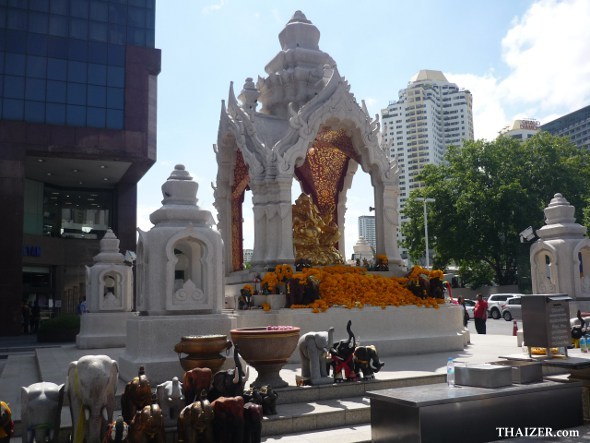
(352,287)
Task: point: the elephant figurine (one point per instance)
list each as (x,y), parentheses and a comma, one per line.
(341,354)
(313,348)
(252,422)
(41,405)
(91,385)
(137,394)
(194,381)
(171,400)
(6,423)
(195,423)
(367,361)
(147,425)
(117,431)
(231,382)
(228,422)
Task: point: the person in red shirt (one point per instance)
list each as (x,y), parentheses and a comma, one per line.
(480,314)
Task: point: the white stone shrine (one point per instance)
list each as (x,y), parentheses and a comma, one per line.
(560,258)
(109,291)
(310,129)
(180,287)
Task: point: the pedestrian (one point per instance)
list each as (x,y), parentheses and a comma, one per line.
(83,307)
(26,317)
(480,314)
(35,317)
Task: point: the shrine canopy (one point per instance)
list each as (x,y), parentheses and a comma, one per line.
(309,128)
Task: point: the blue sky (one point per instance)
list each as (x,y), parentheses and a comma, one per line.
(519,58)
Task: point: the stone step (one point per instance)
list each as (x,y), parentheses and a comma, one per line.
(312,408)
(306,417)
(307,394)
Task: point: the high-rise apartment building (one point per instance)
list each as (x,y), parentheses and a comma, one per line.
(575,125)
(430,115)
(77,132)
(367,229)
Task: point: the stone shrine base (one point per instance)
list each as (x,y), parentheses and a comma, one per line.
(103,330)
(394,331)
(151,340)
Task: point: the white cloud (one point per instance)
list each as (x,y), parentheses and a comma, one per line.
(213,7)
(488,113)
(547,52)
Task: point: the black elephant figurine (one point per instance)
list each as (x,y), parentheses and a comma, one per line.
(231,382)
(367,361)
(341,354)
(252,395)
(269,400)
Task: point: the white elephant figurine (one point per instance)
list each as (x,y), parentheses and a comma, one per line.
(41,412)
(91,386)
(171,400)
(313,348)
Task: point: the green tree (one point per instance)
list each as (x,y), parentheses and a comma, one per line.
(485,194)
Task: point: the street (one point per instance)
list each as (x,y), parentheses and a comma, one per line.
(496,327)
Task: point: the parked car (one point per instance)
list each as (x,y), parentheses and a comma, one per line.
(511,308)
(469,307)
(494,309)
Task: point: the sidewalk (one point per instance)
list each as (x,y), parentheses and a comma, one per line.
(24,370)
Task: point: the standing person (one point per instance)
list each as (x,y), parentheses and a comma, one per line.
(480,314)
(83,307)
(35,317)
(26,316)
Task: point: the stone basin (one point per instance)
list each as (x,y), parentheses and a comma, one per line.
(267,349)
(483,375)
(203,345)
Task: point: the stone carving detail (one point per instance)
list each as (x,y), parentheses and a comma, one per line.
(189,292)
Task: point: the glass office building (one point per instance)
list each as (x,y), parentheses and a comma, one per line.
(575,125)
(77,132)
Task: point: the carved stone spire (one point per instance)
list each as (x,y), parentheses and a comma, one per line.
(295,74)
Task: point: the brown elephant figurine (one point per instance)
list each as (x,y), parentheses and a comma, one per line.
(138,393)
(117,431)
(6,423)
(195,423)
(193,383)
(228,423)
(252,422)
(147,425)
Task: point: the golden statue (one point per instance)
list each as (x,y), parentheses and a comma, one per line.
(314,236)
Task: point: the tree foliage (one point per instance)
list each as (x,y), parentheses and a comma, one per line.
(486,193)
